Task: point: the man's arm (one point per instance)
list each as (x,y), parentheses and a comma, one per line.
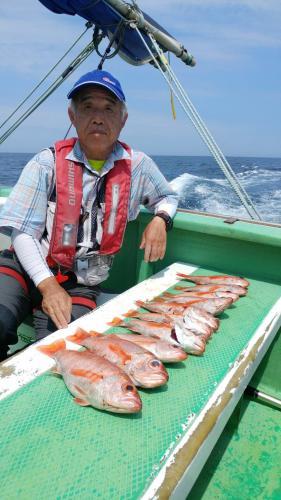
(154,240)
(56,302)
(157,196)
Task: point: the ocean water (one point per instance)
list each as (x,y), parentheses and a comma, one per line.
(199,182)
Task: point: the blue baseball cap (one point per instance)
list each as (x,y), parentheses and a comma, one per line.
(99,77)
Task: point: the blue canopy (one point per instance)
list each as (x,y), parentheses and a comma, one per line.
(105,15)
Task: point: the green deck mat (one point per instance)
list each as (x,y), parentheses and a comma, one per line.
(53,449)
(244,450)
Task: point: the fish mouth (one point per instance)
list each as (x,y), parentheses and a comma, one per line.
(193,344)
(154,380)
(181,357)
(174,335)
(127,405)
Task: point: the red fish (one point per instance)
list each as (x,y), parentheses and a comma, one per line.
(237,290)
(140,364)
(173,334)
(188,322)
(204,316)
(213,306)
(204,295)
(164,351)
(215,280)
(94,381)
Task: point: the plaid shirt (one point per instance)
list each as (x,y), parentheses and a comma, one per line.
(26,207)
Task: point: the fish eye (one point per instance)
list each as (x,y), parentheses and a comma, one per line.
(129,387)
(155,363)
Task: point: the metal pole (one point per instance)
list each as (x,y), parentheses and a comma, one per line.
(262,396)
(169,43)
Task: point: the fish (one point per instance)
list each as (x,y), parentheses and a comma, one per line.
(149,316)
(237,290)
(190,323)
(92,380)
(166,352)
(143,368)
(204,316)
(213,306)
(215,280)
(173,334)
(204,295)
(187,299)
(161,306)
(195,325)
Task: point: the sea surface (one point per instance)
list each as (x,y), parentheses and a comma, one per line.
(200,183)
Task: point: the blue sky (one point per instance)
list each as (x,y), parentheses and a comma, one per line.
(235,85)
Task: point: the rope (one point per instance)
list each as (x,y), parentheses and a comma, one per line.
(67,132)
(198,123)
(66,73)
(119,30)
(88,25)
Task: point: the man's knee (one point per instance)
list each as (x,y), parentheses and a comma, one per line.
(8,327)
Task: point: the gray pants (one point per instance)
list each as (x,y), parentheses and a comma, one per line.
(18,301)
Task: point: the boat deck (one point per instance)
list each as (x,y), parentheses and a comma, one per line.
(54,449)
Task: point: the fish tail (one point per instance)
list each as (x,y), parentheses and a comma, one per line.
(115,322)
(182,275)
(140,303)
(53,348)
(93,333)
(130,314)
(78,336)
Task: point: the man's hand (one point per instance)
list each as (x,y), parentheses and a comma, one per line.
(56,302)
(154,240)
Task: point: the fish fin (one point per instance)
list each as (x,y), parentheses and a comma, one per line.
(130,314)
(92,376)
(120,352)
(185,276)
(93,333)
(78,389)
(81,402)
(56,369)
(140,303)
(168,294)
(53,348)
(78,336)
(115,322)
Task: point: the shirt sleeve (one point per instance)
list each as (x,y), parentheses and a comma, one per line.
(30,255)
(26,207)
(151,189)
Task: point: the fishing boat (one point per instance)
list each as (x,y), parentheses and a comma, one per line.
(214,431)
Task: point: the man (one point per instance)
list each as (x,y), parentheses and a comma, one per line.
(68,213)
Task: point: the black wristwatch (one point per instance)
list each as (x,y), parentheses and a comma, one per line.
(168,220)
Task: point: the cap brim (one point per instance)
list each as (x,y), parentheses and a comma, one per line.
(113,91)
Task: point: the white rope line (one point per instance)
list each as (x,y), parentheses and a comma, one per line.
(201,128)
(44,78)
(223,163)
(72,66)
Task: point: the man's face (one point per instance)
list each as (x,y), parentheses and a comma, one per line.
(98,119)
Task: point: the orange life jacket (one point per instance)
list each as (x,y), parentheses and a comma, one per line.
(69,191)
